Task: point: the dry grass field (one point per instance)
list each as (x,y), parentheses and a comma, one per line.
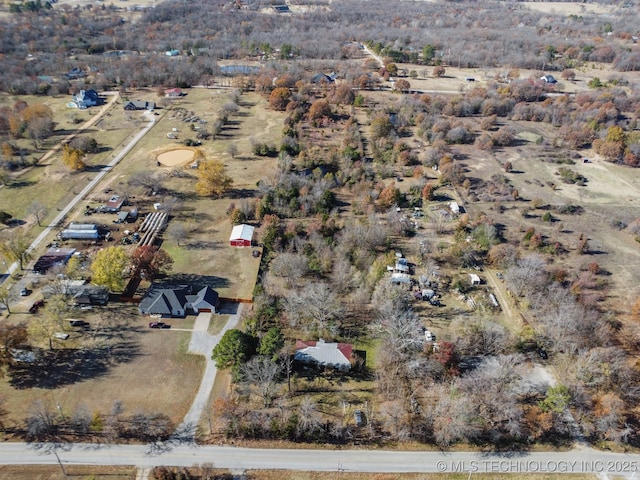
(117,358)
(454,81)
(611,193)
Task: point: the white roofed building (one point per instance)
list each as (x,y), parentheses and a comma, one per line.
(241,236)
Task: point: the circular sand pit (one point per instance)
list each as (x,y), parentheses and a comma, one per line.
(179,156)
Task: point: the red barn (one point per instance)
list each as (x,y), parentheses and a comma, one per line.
(241,236)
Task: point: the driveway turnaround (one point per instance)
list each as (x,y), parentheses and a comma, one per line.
(202,344)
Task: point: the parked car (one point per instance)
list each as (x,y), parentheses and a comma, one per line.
(36,306)
(357,415)
(78,323)
(542,353)
(159,325)
(25,292)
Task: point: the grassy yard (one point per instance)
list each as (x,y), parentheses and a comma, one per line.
(117,358)
(217,323)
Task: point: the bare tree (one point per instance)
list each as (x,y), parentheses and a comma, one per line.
(401,332)
(260,372)
(80,420)
(527,275)
(227,110)
(309,417)
(343,276)
(452,418)
(38,211)
(58,283)
(490,392)
(315,306)
(42,420)
(291,267)
(150,181)
(286,360)
(171,205)
(49,323)
(395,419)
(177,232)
(480,337)
(39,128)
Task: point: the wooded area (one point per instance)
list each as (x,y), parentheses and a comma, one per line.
(51,42)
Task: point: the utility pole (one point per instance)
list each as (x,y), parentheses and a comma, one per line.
(60,463)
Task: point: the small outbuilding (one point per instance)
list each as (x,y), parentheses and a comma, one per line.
(241,236)
(475,279)
(400,278)
(114,204)
(80,231)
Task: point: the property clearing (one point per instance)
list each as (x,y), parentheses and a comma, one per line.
(117,358)
(176,157)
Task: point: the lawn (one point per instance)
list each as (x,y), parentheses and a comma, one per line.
(217,323)
(117,358)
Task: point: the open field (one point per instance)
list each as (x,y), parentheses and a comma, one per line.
(454,82)
(611,193)
(570,8)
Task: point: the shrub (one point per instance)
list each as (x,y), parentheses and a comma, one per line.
(264,150)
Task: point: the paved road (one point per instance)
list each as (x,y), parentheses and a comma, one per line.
(90,186)
(239,459)
(202,344)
